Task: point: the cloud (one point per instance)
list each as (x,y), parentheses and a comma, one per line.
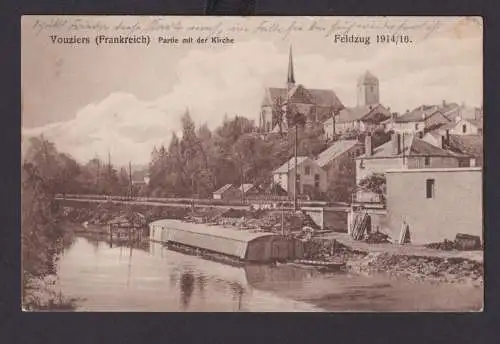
(231,80)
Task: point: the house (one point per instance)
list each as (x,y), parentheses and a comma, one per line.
(242,192)
(338,162)
(406,151)
(469,145)
(367,115)
(435,203)
(419,121)
(315,104)
(453,111)
(140,178)
(359,118)
(223,192)
(467,127)
(311,178)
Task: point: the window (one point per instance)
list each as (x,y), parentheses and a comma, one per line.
(430,185)
(308,170)
(464,128)
(416,126)
(358,152)
(361,164)
(427,161)
(316,180)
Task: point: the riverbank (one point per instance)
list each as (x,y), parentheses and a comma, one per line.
(414,264)
(44,294)
(401,261)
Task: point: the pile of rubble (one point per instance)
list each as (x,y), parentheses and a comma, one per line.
(453,270)
(328,249)
(462,242)
(291,222)
(376,238)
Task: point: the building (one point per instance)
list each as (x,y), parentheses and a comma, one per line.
(360,118)
(406,151)
(368,90)
(339,164)
(367,115)
(436,203)
(315,104)
(223,192)
(470,145)
(238,244)
(242,192)
(418,121)
(453,111)
(467,127)
(311,178)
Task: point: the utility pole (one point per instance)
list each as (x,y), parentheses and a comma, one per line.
(334,113)
(295,178)
(98,176)
(109,174)
(130,179)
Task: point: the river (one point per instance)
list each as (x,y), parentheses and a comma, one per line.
(106,277)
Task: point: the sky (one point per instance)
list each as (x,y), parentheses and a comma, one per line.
(91,100)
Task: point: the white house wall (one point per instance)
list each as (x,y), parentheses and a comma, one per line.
(455,208)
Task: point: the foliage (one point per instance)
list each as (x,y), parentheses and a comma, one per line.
(375,183)
(43,172)
(345,183)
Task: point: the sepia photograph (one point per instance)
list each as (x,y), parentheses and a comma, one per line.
(251,164)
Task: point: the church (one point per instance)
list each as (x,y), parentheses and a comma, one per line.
(367,115)
(317,105)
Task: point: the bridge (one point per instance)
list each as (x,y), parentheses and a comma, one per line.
(268,203)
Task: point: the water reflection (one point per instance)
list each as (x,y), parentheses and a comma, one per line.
(187,288)
(153,278)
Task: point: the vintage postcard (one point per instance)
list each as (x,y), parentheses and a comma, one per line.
(254,164)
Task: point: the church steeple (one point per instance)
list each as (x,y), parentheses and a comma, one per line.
(291,78)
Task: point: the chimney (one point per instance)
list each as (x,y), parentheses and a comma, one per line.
(444,103)
(368,145)
(447,137)
(394,115)
(443,142)
(396,143)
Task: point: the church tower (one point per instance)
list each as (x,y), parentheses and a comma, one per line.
(368,90)
(290,81)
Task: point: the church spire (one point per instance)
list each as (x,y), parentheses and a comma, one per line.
(291,78)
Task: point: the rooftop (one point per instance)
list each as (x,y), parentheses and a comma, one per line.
(467,144)
(367,78)
(413,146)
(223,189)
(290,164)
(245,187)
(214,231)
(440,169)
(319,97)
(335,150)
(417,115)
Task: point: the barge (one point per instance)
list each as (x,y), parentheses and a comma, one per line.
(242,245)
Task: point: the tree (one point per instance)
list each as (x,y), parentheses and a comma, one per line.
(38,225)
(124,182)
(66,175)
(375,183)
(342,181)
